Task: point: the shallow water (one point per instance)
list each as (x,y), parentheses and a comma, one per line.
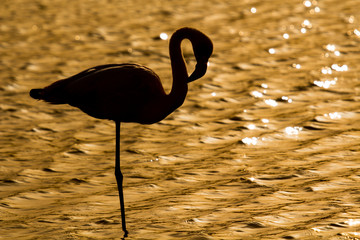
(265,146)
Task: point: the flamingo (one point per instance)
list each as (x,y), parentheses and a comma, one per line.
(130,92)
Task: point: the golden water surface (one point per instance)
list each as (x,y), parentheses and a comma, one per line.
(266,145)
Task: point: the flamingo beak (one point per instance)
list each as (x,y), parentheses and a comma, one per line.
(200,70)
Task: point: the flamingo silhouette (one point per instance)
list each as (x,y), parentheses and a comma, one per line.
(130,92)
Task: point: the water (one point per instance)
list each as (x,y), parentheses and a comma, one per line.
(265,146)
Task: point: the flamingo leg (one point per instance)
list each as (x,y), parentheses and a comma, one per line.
(119,178)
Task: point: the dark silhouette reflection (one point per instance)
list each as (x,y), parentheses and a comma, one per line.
(130,92)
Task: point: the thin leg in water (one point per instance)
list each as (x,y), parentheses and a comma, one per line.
(119,178)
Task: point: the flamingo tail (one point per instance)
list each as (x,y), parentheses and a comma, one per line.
(36,93)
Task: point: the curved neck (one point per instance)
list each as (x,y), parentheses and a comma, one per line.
(179,72)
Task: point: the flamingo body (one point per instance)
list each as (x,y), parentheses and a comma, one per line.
(130,92)
(119,92)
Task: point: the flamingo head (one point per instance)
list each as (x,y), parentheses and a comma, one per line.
(203,48)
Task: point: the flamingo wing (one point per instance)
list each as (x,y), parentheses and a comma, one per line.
(113,91)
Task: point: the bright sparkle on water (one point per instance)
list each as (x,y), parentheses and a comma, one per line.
(351,19)
(251,126)
(272,51)
(357,32)
(253,10)
(286,36)
(296,65)
(284,98)
(256,94)
(353,222)
(330,47)
(326,70)
(293,130)
(264,120)
(316,229)
(271,102)
(163,36)
(334,115)
(325,83)
(250,141)
(306,23)
(338,68)
(307,3)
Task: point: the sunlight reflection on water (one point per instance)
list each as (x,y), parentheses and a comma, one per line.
(265,146)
